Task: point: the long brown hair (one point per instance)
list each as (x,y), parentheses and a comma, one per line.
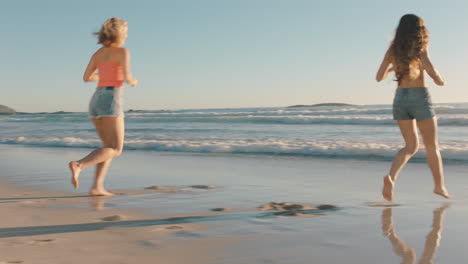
(411,38)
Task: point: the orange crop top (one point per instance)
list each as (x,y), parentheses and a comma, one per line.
(110,74)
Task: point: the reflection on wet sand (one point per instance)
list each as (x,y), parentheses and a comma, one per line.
(97,202)
(405,251)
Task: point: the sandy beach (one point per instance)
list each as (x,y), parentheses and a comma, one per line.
(45,221)
(233,132)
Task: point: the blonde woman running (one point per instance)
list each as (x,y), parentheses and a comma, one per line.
(412,107)
(110,67)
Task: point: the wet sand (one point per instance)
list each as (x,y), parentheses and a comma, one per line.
(32,232)
(195,221)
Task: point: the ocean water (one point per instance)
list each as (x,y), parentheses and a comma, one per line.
(358,132)
(324,155)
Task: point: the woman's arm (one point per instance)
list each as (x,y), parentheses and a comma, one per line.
(90,74)
(430,69)
(384,68)
(128,77)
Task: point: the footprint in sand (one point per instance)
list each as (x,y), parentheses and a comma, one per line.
(113,218)
(163,228)
(149,244)
(174,227)
(166,189)
(295,209)
(285,206)
(203,186)
(219,209)
(159,188)
(327,207)
(40,241)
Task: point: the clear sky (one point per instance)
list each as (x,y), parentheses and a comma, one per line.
(223,53)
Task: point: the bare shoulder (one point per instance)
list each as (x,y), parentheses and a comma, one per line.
(122,50)
(97,54)
(99,51)
(424,53)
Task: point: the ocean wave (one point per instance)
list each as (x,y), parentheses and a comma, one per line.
(46,118)
(286,120)
(299,119)
(448,115)
(25,119)
(52,142)
(369,120)
(443,110)
(351,148)
(440,110)
(275,112)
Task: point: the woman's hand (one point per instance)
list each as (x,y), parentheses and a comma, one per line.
(133,82)
(93,78)
(439,82)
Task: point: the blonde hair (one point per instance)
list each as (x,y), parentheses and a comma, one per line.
(112,31)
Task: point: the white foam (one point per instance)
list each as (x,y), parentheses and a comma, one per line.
(353,148)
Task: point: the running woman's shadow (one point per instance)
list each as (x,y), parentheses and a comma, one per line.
(405,251)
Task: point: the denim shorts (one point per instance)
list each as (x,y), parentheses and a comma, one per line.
(106,101)
(412,103)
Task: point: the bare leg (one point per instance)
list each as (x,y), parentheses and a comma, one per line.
(111,132)
(96,156)
(428,130)
(399,246)
(409,133)
(433,238)
(100,175)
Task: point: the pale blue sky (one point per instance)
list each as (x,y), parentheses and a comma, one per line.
(223,53)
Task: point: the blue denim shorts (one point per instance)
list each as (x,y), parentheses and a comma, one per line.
(412,103)
(106,101)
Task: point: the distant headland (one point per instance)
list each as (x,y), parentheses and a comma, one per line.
(324,104)
(5,110)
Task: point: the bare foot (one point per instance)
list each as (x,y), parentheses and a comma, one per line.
(387,191)
(100,192)
(442,192)
(75,169)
